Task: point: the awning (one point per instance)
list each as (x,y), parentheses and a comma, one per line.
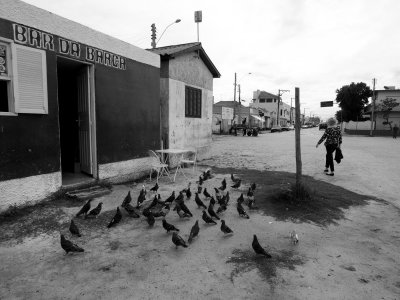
(257,117)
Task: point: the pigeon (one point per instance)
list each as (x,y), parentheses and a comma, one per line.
(199,202)
(250,193)
(168,227)
(222,200)
(131,211)
(74,229)
(199,189)
(223,186)
(153,203)
(221,208)
(158,213)
(253,186)
(146,212)
(150,219)
(116,219)
(154,188)
(84,210)
(141,198)
(227,197)
(171,198)
(95,211)
(165,209)
(258,249)
(212,201)
(237,184)
(201,180)
(294,237)
(185,209)
(69,246)
(240,199)
(194,231)
(217,193)
(212,212)
(127,199)
(206,194)
(242,212)
(207,218)
(179,199)
(180,212)
(187,191)
(224,228)
(178,240)
(233,178)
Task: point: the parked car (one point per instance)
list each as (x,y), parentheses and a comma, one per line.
(276,128)
(322,126)
(285,128)
(291,127)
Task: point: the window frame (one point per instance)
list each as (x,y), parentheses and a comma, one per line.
(10,78)
(194,109)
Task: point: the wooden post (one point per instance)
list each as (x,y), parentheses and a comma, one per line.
(297,135)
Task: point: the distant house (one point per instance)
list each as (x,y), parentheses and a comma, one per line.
(186,92)
(74,103)
(269,102)
(255,117)
(380,114)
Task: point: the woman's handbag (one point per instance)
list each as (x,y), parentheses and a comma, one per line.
(338,155)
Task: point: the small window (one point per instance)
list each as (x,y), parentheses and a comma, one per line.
(281,112)
(262,100)
(274,100)
(192,102)
(23,79)
(269,100)
(6,95)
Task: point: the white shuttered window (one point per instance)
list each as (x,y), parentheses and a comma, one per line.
(30,84)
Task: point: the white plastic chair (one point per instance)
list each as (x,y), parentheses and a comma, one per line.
(189,158)
(157,165)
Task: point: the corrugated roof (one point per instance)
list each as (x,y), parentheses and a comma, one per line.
(175,50)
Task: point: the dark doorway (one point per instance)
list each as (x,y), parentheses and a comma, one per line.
(68,94)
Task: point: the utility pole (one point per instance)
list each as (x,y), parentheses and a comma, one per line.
(153,35)
(291,110)
(234,99)
(279,100)
(239,110)
(373,107)
(297,137)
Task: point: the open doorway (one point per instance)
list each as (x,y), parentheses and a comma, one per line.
(76,121)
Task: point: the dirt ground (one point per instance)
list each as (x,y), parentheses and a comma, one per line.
(349,234)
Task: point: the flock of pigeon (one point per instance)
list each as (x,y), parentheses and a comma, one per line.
(160,209)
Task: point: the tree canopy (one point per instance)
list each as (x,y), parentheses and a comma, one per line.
(352,100)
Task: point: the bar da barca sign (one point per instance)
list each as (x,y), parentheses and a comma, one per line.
(38,39)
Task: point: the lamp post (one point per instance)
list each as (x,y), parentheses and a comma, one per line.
(176,21)
(280,92)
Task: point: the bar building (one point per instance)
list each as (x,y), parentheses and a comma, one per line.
(72,101)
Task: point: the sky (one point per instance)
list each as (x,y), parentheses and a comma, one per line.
(315,45)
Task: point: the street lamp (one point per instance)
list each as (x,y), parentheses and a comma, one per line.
(176,21)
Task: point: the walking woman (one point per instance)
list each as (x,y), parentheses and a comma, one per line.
(333,138)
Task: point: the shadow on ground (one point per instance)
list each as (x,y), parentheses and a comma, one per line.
(273,196)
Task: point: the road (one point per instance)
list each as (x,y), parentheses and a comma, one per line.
(371,165)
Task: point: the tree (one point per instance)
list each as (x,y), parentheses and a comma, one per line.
(352,100)
(386,107)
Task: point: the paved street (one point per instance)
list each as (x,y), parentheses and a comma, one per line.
(353,256)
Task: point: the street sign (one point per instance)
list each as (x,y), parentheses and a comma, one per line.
(227,113)
(198,16)
(326,103)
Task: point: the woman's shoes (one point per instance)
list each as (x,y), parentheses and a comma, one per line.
(330,174)
(326,170)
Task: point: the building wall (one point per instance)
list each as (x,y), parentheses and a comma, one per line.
(127,111)
(189,132)
(186,132)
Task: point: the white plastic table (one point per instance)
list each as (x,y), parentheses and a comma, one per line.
(173,152)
